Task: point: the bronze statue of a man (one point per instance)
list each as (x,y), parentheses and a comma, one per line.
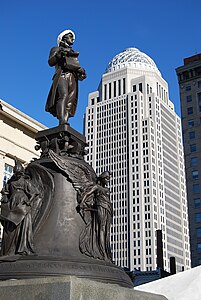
(63,95)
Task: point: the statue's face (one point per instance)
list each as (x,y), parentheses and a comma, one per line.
(106,179)
(68,38)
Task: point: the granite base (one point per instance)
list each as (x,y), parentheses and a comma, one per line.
(69,288)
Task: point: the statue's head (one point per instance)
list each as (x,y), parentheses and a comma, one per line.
(105,177)
(67,36)
(18,168)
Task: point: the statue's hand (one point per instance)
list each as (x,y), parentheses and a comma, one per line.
(68,52)
(81,74)
(81,71)
(4,191)
(62,52)
(80,207)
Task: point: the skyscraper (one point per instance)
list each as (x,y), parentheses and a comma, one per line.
(189,77)
(133,130)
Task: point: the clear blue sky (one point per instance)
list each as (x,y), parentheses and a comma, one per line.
(167,31)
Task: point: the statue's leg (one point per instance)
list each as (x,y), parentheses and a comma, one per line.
(71,100)
(62,94)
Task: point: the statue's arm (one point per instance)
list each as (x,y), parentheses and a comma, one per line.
(81,74)
(90,192)
(87,198)
(5,189)
(54,56)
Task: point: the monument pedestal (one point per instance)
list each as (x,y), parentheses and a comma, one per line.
(59,228)
(69,288)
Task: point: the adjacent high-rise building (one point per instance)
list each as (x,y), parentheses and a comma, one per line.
(133,131)
(189,77)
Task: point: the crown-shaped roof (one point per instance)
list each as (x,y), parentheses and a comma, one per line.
(134,58)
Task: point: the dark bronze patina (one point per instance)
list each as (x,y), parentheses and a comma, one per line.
(56,212)
(63,95)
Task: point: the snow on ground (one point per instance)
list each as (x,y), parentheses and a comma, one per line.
(182,286)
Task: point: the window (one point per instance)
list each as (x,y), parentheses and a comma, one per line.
(147,88)
(199,247)
(189,98)
(92,101)
(124,85)
(194,161)
(192,135)
(140,87)
(105,91)
(119,87)
(8,172)
(188,88)
(198,232)
(189,110)
(110,91)
(196,188)
(199,99)
(197,203)
(195,174)
(134,88)
(190,123)
(197,217)
(193,147)
(115,86)
(199,84)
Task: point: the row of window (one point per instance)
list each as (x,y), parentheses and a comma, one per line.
(107,107)
(189,99)
(139,88)
(93,101)
(161,92)
(188,87)
(112,114)
(118,88)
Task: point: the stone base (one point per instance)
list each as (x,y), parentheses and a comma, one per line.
(88,268)
(68,288)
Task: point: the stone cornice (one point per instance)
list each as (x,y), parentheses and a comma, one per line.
(20,117)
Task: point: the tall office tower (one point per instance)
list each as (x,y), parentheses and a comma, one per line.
(189,77)
(133,130)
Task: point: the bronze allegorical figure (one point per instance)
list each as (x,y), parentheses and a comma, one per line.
(63,95)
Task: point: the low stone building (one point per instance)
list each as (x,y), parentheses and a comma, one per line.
(17,139)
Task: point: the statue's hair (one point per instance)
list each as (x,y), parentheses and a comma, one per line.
(60,36)
(104,174)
